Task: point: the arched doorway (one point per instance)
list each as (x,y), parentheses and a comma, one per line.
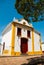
(24,45)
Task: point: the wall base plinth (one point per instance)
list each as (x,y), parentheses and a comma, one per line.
(15,54)
(34,53)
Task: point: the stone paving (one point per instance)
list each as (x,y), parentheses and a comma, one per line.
(6,60)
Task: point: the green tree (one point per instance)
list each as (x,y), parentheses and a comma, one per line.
(31,10)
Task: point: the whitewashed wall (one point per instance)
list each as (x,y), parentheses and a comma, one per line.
(36,42)
(42,47)
(7,38)
(24,32)
(17,42)
(0,49)
(30,43)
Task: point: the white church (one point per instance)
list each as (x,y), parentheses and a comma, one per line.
(20,38)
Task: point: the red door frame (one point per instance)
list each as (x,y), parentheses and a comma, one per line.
(24,45)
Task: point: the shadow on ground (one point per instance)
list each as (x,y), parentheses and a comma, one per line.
(35,61)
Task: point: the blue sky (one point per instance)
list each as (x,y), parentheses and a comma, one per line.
(8,12)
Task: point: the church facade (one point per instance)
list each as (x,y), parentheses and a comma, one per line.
(19,38)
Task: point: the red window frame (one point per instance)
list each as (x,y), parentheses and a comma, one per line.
(28,34)
(19,31)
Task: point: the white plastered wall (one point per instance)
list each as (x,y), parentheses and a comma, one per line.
(24,32)
(0,49)
(42,47)
(36,42)
(17,42)
(30,43)
(7,38)
(18,39)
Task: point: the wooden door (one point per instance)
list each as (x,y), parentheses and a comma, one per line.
(24,45)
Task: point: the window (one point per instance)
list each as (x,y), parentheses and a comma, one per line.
(28,33)
(3,45)
(19,31)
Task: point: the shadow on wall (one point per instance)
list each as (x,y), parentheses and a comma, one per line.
(35,61)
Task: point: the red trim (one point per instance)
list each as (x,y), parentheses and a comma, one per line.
(24,45)
(19,31)
(28,33)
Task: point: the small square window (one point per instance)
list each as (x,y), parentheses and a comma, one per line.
(19,31)
(28,34)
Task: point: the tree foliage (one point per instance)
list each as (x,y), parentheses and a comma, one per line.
(31,10)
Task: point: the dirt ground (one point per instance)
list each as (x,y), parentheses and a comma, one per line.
(6,60)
